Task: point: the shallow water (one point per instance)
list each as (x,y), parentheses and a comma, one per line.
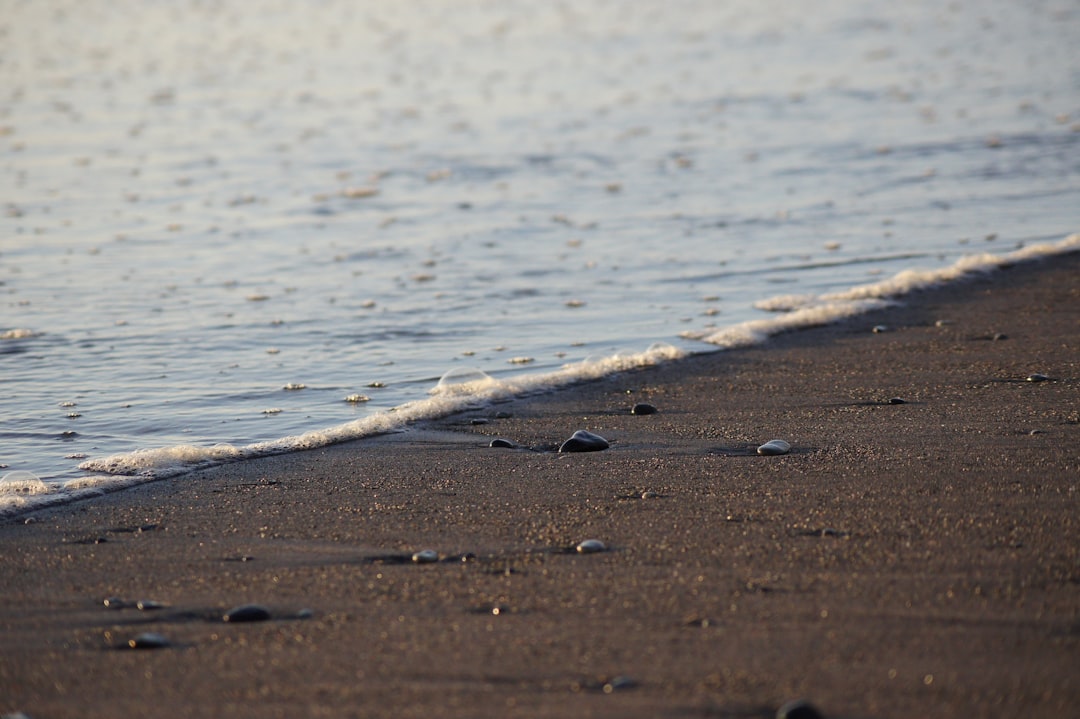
(208,203)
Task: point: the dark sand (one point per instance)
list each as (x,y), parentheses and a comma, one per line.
(918,559)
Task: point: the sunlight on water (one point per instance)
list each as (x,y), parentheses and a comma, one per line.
(222,219)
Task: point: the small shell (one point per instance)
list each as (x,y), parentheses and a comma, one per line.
(591,546)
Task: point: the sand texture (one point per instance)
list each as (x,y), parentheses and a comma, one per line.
(911,559)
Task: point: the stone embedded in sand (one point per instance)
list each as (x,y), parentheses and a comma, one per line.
(1037,377)
(148,640)
(502,443)
(897,400)
(583,441)
(774,447)
(426,556)
(149,605)
(247,613)
(799,709)
(618,684)
(591,546)
(878,329)
(644,408)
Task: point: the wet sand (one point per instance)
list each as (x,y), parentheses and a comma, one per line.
(910,559)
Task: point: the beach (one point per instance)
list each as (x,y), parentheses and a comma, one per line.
(917,553)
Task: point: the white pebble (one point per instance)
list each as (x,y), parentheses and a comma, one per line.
(774,447)
(591,546)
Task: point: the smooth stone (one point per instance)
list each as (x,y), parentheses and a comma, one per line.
(583,441)
(774,447)
(502,443)
(426,556)
(148,640)
(878,329)
(115,603)
(591,546)
(799,709)
(247,613)
(149,605)
(897,400)
(619,683)
(644,408)
(1037,377)
(649,494)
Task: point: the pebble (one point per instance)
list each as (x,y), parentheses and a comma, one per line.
(1037,377)
(897,400)
(426,556)
(148,605)
(148,640)
(878,329)
(502,443)
(774,447)
(799,709)
(644,408)
(649,494)
(583,441)
(591,546)
(247,613)
(619,683)
(115,603)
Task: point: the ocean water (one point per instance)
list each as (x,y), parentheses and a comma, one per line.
(232,229)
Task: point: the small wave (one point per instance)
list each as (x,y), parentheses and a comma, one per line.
(803,311)
(457,391)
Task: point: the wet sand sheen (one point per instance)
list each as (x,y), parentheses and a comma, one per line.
(914,558)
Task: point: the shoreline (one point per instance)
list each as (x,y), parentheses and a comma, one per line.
(918,558)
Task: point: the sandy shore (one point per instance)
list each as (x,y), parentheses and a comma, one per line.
(911,559)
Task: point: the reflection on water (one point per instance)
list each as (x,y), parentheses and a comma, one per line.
(206,203)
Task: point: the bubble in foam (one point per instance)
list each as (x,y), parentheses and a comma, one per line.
(461,379)
(22,482)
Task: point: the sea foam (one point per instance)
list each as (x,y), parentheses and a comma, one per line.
(465,389)
(802,311)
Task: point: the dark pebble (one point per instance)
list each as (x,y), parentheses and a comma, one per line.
(897,400)
(1037,377)
(644,408)
(148,640)
(115,603)
(149,605)
(878,329)
(583,441)
(1000,336)
(503,415)
(799,709)
(476,421)
(247,613)
(503,443)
